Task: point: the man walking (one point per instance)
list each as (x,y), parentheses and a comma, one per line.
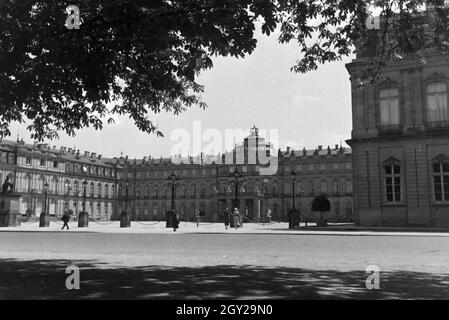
(65,218)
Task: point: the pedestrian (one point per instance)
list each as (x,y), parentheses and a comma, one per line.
(268,216)
(227,218)
(65,218)
(197,218)
(236,218)
(175,220)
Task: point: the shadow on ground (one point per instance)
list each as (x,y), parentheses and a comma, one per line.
(45,279)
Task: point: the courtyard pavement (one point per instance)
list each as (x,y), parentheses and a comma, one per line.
(144,227)
(149,261)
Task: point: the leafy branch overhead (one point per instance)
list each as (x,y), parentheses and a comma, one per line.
(140,57)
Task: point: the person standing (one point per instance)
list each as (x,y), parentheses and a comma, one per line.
(65,218)
(236,218)
(175,220)
(227,218)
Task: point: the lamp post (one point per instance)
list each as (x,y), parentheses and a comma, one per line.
(126,194)
(293,177)
(264,193)
(44,218)
(293,210)
(68,186)
(173,182)
(45,197)
(236,175)
(84,195)
(83,217)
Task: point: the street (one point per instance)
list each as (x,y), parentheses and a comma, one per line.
(232,265)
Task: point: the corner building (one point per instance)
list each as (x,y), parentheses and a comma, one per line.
(400,142)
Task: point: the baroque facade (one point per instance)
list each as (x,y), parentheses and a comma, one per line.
(66,172)
(208,189)
(400,142)
(205,187)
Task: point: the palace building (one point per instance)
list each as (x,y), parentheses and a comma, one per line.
(108,186)
(400,142)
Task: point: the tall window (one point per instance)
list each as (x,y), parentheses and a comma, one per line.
(203,191)
(437,110)
(393,187)
(91,189)
(389,107)
(99,189)
(76,187)
(193,191)
(337,209)
(441,181)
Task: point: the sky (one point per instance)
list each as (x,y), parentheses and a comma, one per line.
(307,110)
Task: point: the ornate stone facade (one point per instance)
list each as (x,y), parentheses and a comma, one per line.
(400,142)
(142,187)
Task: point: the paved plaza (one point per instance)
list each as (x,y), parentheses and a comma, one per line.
(148,261)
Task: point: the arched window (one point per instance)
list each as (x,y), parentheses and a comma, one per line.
(28,183)
(349,209)
(337,209)
(436,96)
(137,191)
(193,190)
(389,107)
(336,187)
(164,192)
(203,191)
(106,190)
(155,192)
(349,188)
(91,190)
(147,191)
(99,189)
(183,191)
(54,185)
(323,186)
(76,187)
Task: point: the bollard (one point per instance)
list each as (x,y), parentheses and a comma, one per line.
(44,220)
(83,220)
(125,220)
(169,219)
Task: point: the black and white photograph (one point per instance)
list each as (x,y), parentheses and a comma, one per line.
(224,155)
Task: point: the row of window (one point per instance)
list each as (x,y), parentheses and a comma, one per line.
(75,189)
(74,167)
(393,183)
(321,166)
(261,188)
(436,105)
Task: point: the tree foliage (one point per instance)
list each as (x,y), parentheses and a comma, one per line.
(139,57)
